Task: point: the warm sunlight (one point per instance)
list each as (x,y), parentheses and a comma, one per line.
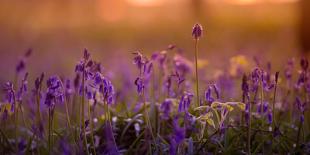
(146,2)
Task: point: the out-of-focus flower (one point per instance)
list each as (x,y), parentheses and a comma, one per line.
(245,88)
(304,64)
(238,64)
(301,108)
(202,63)
(182,65)
(10,93)
(269,118)
(178,131)
(22,89)
(22,63)
(166,107)
(288,71)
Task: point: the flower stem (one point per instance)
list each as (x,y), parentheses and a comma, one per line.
(67,114)
(196,67)
(249,130)
(49,130)
(16,126)
(108,116)
(83,113)
(273,109)
(91,128)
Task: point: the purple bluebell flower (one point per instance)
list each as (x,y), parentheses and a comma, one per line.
(173,147)
(22,89)
(182,65)
(165,107)
(55,91)
(208,95)
(38,82)
(301,108)
(108,91)
(245,88)
(185,102)
(21,146)
(140,85)
(178,131)
(22,63)
(64,147)
(10,93)
(304,63)
(288,71)
(139,60)
(197,31)
(256,76)
(269,118)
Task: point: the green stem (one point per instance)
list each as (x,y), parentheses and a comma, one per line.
(109,123)
(91,128)
(16,126)
(49,130)
(67,114)
(196,67)
(249,131)
(273,110)
(83,113)
(148,122)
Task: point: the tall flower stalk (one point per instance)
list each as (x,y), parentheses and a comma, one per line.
(246,99)
(274,102)
(196,33)
(145,68)
(81,68)
(54,94)
(38,87)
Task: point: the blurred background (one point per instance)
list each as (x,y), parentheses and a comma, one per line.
(58,30)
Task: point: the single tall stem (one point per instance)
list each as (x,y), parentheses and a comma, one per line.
(83,113)
(110,124)
(67,114)
(91,128)
(49,130)
(16,125)
(249,130)
(196,67)
(273,108)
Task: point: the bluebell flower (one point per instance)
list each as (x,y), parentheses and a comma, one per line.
(139,60)
(140,85)
(165,107)
(304,63)
(178,131)
(245,89)
(208,94)
(22,89)
(185,102)
(22,63)
(269,118)
(197,31)
(55,91)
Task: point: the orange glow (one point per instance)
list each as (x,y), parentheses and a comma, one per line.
(146,2)
(248,2)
